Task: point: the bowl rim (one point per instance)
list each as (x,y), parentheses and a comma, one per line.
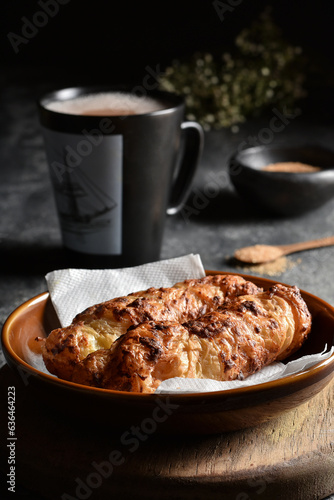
(284,146)
(283,382)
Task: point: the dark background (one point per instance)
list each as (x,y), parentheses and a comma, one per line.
(103,41)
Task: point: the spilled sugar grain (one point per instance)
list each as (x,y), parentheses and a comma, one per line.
(274,268)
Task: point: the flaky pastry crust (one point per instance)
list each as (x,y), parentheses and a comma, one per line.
(231,342)
(100,325)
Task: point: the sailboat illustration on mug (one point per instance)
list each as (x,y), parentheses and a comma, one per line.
(82,204)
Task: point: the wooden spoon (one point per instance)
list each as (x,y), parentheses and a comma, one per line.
(260,254)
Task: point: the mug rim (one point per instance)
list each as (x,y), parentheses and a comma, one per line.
(172,100)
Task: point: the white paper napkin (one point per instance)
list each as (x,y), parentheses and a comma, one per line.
(73,290)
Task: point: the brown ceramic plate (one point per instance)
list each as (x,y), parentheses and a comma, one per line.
(201,413)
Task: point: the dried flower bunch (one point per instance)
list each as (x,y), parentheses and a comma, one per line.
(262,71)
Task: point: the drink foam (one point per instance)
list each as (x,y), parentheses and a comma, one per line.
(107,103)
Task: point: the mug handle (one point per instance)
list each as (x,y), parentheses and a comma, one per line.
(190,155)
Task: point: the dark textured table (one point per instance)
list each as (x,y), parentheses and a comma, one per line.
(214,222)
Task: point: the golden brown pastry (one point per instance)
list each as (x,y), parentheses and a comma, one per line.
(100,325)
(233,342)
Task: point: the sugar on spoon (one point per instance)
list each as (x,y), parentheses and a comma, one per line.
(260,254)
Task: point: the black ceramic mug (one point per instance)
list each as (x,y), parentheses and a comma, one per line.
(117,168)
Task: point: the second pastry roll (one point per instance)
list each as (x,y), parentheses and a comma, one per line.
(230,343)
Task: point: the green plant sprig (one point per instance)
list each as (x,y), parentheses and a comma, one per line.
(224,91)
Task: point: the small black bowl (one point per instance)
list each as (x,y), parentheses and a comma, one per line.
(283,193)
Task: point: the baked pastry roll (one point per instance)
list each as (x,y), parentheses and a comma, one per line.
(100,325)
(233,342)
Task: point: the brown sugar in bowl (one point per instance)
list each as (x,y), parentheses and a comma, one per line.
(284,191)
(202,413)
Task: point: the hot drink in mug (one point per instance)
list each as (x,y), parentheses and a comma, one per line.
(107,104)
(116,168)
